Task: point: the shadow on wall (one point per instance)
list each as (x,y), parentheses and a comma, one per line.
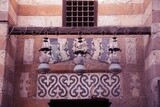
(95,102)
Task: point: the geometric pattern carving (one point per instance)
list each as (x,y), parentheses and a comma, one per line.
(28,51)
(131,50)
(73,86)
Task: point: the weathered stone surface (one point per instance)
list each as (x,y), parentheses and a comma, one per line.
(155,92)
(39,2)
(120,9)
(8,88)
(119,1)
(147,13)
(40,21)
(4,5)
(152,59)
(155,16)
(112,20)
(156,4)
(155,28)
(39,10)
(10,62)
(3,29)
(53,21)
(12,15)
(3,16)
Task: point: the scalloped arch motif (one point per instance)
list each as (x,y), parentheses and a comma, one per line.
(73,86)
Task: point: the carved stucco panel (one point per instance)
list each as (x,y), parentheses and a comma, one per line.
(28,51)
(130,50)
(73,86)
(135,84)
(24,84)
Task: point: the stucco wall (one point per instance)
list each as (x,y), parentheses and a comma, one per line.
(132,77)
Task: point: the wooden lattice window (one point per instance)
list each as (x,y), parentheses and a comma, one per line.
(79,13)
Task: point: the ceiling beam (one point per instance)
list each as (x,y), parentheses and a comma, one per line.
(79,30)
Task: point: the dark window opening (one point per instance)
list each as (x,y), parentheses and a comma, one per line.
(80,103)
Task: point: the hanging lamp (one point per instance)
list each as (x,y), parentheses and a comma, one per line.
(114,66)
(44,59)
(79,59)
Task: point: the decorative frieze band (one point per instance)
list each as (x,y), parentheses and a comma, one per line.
(73,86)
(63,48)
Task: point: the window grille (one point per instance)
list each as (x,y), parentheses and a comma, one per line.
(80,13)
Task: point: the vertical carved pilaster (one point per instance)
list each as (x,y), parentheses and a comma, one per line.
(135,84)
(28,51)
(24,84)
(131,51)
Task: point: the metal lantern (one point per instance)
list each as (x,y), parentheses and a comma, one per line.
(79,60)
(44,59)
(114,66)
